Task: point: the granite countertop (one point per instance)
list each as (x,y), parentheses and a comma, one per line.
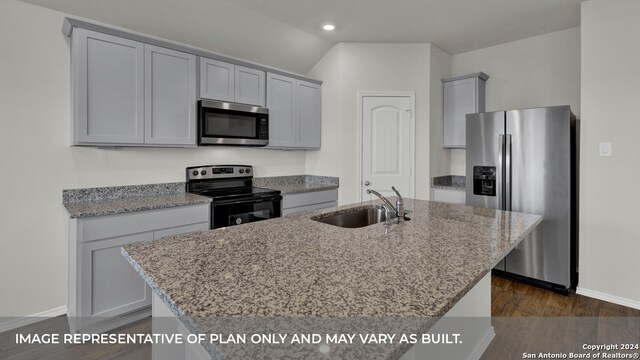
(450,182)
(298,268)
(297,183)
(99,201)
(82,203)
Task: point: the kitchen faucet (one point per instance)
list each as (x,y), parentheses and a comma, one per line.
(398,209)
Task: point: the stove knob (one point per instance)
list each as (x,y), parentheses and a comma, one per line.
(195,173)
(241,171)
(248,170)
(203,172)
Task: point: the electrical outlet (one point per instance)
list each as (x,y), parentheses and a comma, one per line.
(605,149)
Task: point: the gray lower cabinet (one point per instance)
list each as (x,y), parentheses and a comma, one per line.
(228,82)
(294,113)
(105,291)
(462,95)
(307,201)
(128,93)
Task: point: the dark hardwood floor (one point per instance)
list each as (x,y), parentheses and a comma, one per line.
(514,299)
(532,320)
(525,318)
(10,350)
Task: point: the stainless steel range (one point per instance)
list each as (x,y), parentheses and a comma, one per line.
(235,200)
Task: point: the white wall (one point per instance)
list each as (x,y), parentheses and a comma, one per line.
(352,67)
(37,162)
(440,65)
(539,71)
(609,196)
(220,25)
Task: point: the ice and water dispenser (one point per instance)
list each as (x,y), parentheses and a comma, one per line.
(484,180)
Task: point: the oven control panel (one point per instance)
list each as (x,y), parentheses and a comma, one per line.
(219,172)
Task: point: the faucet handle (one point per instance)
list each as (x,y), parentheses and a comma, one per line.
(397,193)
(399,205)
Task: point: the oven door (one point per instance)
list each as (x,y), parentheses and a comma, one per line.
(223,123)
(229,213)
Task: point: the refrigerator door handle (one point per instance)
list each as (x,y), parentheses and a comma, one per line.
(501,162)
(507,173)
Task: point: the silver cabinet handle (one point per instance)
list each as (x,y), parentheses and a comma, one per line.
(367,183)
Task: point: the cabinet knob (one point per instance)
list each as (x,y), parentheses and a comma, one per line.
(367,183)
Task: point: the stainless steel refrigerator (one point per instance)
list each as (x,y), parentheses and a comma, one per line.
(526,161)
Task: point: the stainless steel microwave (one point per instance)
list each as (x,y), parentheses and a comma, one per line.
(224,123)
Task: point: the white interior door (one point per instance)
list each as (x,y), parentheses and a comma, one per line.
(387,144)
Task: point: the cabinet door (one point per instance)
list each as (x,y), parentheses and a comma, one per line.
(110,285)
(281,103)
(250,86)
(217,80)
(308,114)
(170,97)
(108,89)
(460,99)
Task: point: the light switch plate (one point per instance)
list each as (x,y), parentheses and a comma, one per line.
(606,149)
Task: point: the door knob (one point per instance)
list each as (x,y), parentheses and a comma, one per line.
(367,183)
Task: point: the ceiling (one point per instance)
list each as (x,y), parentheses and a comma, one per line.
(287,33)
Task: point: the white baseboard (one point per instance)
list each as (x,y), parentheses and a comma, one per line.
(482,346)
(31,319)
(610,298)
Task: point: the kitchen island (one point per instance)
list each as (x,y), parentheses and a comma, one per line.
(298,270)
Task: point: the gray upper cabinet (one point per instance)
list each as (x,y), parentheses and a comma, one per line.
(228,82)
(308,113)
(129,93)
(250,86)
(462,95)
(170,95)
(281,102)
(217,80)
(108,89)
(129,89)
(294,113)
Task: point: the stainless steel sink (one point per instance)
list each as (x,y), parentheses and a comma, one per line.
(359,217)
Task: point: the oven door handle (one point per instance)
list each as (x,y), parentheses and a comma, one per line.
(270,198)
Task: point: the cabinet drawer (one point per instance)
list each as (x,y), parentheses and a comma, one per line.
(309,198)
(449,196)
(116,225)
(300,209)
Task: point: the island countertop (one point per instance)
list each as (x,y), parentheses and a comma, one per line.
(295,266)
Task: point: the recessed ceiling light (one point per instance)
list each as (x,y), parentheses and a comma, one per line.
(328,27)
